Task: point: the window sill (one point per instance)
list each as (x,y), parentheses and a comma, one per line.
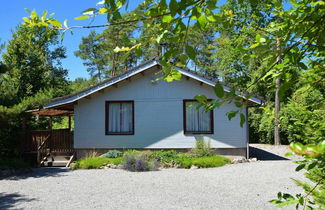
(198,132)
(114,134)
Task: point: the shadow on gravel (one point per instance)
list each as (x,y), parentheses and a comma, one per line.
(261,154)
(39,173)
(9,200)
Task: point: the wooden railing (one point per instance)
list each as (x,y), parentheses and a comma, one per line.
(60,140)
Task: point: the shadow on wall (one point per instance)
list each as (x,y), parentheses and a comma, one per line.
(261,154)
(10,200)
(38,173)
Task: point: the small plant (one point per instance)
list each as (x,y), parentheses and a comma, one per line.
(202,148)
(140,162)
(165,156)
(96,162)
(210,162)
(112,154)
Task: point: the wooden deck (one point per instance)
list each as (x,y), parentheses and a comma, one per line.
(44,143)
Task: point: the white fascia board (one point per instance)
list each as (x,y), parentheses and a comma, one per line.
(212,83)
(100,86)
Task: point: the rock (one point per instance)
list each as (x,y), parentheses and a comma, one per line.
(194,167)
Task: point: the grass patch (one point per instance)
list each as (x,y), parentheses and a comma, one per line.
(210,161)
(96,162)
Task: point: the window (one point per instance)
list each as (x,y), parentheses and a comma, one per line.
(119,118)
(196,121)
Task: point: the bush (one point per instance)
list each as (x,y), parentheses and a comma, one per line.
(184,160)
(209,162)
(140,161)
(112,154)
(12,163)
(165,156)
(202,148)
(96,162)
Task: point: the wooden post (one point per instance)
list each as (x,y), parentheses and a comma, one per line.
(24,133)
(50,123)
(69,122)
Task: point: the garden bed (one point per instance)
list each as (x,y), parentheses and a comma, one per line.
(134,160)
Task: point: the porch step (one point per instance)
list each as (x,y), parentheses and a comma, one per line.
(58,161)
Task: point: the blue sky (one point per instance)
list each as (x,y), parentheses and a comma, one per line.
(11,13)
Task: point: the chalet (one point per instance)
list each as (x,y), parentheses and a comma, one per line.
(135,111)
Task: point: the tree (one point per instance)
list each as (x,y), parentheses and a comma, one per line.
(33,76)
(33,58)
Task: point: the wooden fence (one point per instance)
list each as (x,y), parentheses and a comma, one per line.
(60,140)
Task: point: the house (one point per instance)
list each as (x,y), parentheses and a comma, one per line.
(135,111)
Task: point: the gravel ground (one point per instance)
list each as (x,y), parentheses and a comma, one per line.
(238,186)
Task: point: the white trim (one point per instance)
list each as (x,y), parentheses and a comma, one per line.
(212,83)
(142,68)
(101,86)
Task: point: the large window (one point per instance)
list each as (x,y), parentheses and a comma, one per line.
(196,120)
(119,118)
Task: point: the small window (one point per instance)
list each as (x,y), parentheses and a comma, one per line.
(119,118)
(196,120)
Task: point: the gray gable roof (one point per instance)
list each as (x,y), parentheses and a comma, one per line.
(136,70)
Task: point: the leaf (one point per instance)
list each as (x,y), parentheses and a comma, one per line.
(26,19)
(65,23)
(103,10)
(218,89)
(44,15)
(231,114)
(242,119)
(190,52)
(160,36)
(100,2)
(167,19)
(254,45)
(202,21)
(201,98)
(89,11)
(83,17)
(312,165)
(301,166)
(55,23)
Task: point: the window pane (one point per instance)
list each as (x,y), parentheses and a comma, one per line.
(197,120)
(120,117)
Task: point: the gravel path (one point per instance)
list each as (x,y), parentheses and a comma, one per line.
(239,186)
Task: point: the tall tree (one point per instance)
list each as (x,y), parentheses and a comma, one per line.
(33,57)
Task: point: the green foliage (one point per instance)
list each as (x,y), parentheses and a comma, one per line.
(314,164)
(210,161)
(202,148)
(12,163)
(112,154)
(165,156)
(137,162)
(96,162)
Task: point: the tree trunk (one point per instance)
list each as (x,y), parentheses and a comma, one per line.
(277,140)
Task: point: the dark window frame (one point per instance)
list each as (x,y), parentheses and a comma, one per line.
(197,132)
(107,118)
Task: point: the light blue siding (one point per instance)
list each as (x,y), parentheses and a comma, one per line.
(158,116)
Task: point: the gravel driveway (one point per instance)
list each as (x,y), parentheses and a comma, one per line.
(239,186)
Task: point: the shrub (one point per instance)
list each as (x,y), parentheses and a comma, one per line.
(211,161)
(12,163)
(96,162)
(184,160)
(112,154)
(165,156)
(140,161)
(202,148)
